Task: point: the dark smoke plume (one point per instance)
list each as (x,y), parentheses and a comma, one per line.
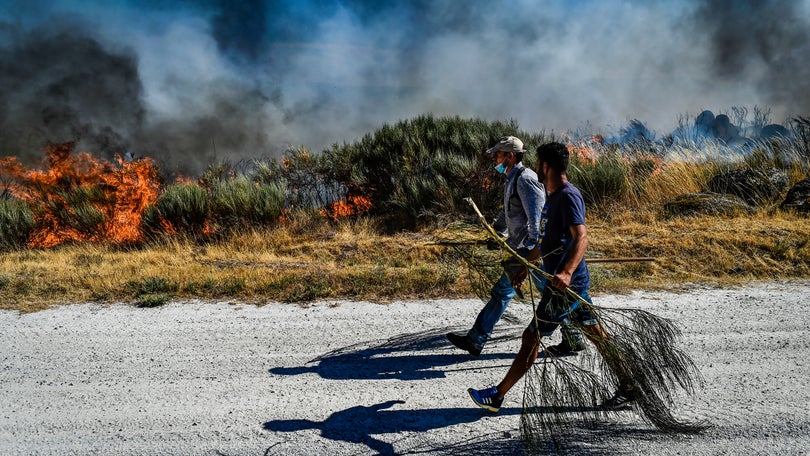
(63,86)
(767,38)
(59,85)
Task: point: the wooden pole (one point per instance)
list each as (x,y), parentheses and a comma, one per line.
(588,260)
(620,260)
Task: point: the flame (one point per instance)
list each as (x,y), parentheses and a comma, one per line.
(354,205)
(57,194)
(583,152)
(658,167)
(286,215)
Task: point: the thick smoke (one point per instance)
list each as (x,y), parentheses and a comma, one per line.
(192,82)
(64,86)
(241,27)
(767,41)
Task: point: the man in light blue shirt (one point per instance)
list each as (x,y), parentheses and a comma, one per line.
(523,200)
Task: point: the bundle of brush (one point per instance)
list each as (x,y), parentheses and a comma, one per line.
(636,347)
(560,396)
(473,247)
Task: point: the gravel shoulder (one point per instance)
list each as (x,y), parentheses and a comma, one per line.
(341,378)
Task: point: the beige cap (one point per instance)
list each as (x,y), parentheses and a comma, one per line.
(507,144)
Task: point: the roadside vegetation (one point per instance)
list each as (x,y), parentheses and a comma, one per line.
(363,220)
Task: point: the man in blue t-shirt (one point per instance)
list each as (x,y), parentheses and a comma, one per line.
(564,240)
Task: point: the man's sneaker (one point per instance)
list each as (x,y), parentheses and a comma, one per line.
(562,349)
(463,342)
(619,400)
(486,398)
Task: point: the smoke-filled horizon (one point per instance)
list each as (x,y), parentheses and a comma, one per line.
(192,82)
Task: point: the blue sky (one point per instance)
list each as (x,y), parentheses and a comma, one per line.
(185,78)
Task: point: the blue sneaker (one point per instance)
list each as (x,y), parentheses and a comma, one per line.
(486,398)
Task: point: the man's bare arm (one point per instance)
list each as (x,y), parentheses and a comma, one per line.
(579,239)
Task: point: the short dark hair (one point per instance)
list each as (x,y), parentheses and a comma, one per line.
(555,154)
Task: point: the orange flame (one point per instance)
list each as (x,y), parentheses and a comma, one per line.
(583,152)
(354,205)
(120,193)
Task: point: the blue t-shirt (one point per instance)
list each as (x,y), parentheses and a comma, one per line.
(564,208)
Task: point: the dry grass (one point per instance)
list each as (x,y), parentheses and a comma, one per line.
(347,260)
(304,261)
(717,250)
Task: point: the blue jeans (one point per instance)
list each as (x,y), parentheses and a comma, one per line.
(502,293)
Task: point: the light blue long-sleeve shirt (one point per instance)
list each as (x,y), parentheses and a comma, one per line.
(520,217)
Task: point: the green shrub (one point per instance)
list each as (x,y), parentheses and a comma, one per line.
(240,202)
(230,286)
(306,175)
(16,223)
(150,285)
(181,207)
(216,173)
(424,167)
(605,180)
(151,291)
(640,169)
(152,300)
(801,131)
(307,287)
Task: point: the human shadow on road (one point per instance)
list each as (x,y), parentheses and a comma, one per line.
(365,424)
(361,424)
(401,357)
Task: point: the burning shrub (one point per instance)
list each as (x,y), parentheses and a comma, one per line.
(16,223)
(78,197)
(581,153)
(76,209)
(355,205)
